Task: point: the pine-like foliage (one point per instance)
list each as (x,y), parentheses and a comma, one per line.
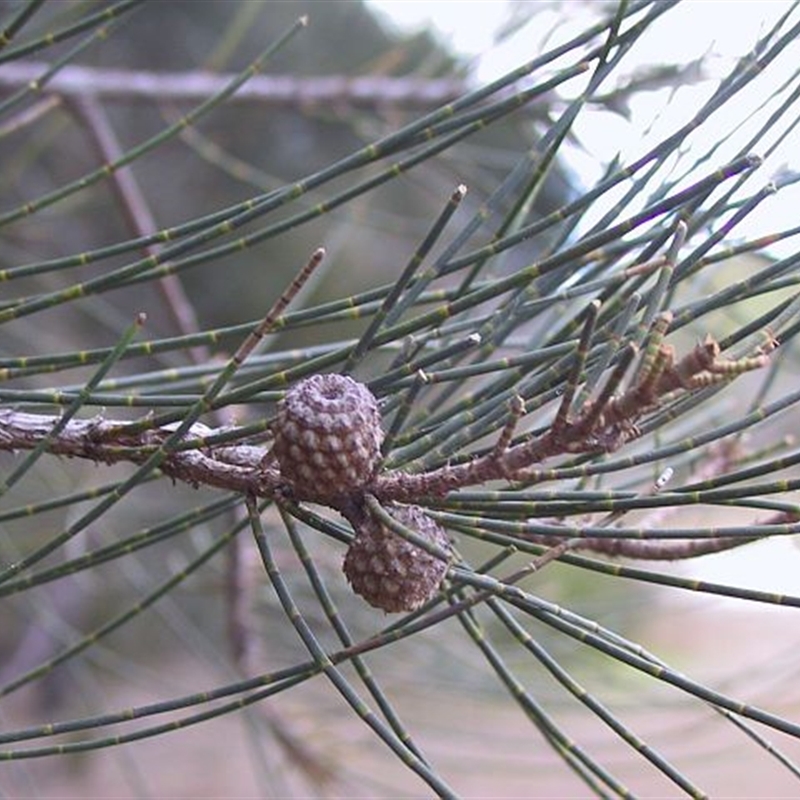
(292,309)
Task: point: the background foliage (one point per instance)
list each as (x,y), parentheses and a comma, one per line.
(135,606)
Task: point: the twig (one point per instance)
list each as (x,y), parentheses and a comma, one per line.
(107,442)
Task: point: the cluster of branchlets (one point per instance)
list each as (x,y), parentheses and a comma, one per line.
(327,447)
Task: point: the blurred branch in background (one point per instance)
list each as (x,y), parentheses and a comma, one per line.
(511,395)
(366,92)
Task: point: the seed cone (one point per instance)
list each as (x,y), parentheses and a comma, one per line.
(390,572)
(328,437)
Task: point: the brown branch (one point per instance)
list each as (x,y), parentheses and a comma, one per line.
(646,549)
(30,115)
(235,468)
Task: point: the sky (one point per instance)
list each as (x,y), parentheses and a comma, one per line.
(684,34)
(693,29)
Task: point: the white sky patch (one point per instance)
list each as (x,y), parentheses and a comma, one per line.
(471,27)
(465,27)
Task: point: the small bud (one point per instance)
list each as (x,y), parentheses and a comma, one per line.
(390,572)
(328,437)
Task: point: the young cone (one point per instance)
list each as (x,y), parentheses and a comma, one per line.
(328,438)
(390,572)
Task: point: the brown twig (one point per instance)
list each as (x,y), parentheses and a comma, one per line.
(660,549)
(720,458)
(600,426)
(107,442)
(648,549)
(324,428)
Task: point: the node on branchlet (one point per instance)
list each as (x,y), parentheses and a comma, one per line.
(328,438)
(390,572)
